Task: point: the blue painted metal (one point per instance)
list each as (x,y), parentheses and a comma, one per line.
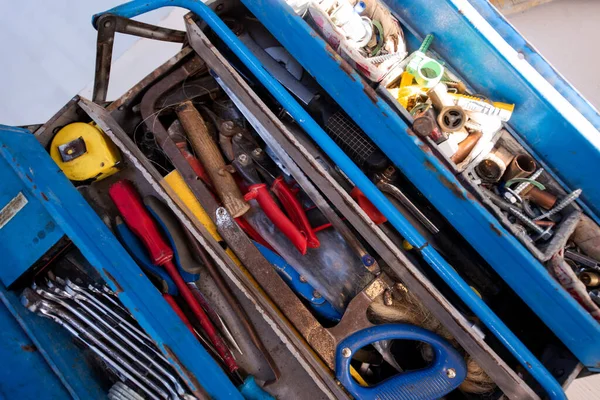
(429,383)
(303,289)
(31,226)
(390,133)
(251,391)
(66,361)
(71,213)
(24,364)
(552,118)
(574,326)
(138,252)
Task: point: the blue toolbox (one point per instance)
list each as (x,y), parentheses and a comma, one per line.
(311,199)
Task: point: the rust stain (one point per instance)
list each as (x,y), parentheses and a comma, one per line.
(370,92)
(423,146)
(347,68)
(495,229)
(453,187)
(187,375)
(29,348)
(445,181)
(118,287)
(471,197)
(44,196)
(430,166)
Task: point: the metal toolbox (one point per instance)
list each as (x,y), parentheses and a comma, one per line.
(287,318)
(515,74)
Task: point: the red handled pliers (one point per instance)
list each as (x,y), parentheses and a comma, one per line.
(252,163)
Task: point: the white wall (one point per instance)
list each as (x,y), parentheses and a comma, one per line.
(48,54)
(567,33)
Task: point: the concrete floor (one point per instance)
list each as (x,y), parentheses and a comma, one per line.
(566,32)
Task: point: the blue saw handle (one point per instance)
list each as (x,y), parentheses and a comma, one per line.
(137,251)
(447,371)
(304,289)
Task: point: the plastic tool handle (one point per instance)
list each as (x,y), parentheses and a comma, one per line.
(202,318)
(128,201)
(447,371)
(294,209)
(130,205)
(136,250)
(303,289)
(260,193)
(194,163)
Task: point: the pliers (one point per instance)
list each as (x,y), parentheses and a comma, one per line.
(255,167)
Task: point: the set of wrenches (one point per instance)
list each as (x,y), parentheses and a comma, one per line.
(94,315)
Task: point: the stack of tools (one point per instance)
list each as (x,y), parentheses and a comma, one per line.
(143,229)
(288,220)
(460,124)
(95,317)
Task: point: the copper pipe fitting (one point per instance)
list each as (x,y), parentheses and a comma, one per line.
(465,147)
(494,165)
(521,166)
(590,279)
(541,197)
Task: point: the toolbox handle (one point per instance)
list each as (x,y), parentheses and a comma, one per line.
(447,371)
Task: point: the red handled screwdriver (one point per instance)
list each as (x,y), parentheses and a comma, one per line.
(130,205)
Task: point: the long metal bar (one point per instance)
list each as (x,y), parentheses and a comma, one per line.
(107,27)
(283,142)
(456,283)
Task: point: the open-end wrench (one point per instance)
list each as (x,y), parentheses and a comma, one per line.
(81,300)
(58,300)
(35,304)
(141,337)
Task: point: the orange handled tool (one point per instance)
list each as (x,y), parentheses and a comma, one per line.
(135,215)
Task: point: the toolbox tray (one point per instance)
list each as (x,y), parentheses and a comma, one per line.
(555,132)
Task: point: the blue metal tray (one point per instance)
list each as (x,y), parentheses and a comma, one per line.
(556,131)
(46,187)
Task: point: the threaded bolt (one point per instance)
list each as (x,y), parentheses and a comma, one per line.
(524,185)
(561,205)
(544,234)
(426,43)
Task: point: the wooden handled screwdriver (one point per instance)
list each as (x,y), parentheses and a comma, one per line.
(212,160)
(135,215)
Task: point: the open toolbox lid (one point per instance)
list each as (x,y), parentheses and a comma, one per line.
(45,184)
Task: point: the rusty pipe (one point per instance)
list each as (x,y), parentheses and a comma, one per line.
(542,198)
(494,165)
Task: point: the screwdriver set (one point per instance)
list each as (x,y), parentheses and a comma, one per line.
(285,209)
